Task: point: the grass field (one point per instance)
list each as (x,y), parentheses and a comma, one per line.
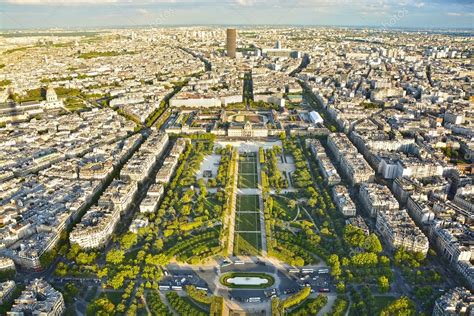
(248,181)
(248,222)
(248,171)
(380,303)
(248,165)
(247,239)
(247,203)
(247,244)
(287,213)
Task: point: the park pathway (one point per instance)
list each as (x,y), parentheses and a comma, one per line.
(231,217)
(262,217)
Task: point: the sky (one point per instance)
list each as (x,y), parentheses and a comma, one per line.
(24,14)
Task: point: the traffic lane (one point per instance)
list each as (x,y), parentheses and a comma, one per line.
(242,295)
(248,267)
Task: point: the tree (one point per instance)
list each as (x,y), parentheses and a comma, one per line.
(292,204)
(366,259)
(73,251)
(335,265)
(384,284)
(384,261)
(402,306)
(101,306)
(102,272)
(340,287)
(61,269)
(312,202)
(372,244)
(128,240)
(407,258)
(339,307)
(297,298)
(117,281)
(84,258)
(159,244)
(115,256)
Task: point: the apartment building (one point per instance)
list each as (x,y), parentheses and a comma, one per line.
(376,198)
(96,227)
(38,298)
(6,291)
(399,230)
(457,301)
(343,201)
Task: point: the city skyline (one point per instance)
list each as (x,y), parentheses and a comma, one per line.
(383,14)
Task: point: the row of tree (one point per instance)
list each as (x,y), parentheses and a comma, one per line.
(156,305)
(311,306)
(183,306)
(198,295)
(270,167)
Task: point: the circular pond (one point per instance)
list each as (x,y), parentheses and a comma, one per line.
(247,280)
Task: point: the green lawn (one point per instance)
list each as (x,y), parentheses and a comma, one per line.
(248,166)
(282,203)
(248,222)
(114,297)
(382,301)
(248,171)
(248,181)
(247,244)
(247,203)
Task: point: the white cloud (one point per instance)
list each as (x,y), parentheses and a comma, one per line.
(460,14)
(245,3)
(143,11)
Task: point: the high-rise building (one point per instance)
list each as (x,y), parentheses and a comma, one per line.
(231,44)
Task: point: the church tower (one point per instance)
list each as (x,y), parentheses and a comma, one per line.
(51,96)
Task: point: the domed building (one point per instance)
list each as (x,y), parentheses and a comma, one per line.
(52,100)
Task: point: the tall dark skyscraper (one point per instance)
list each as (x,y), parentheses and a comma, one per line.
(231,44)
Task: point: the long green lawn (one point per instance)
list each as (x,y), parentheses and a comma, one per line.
(248,166)
(247,244)
(248,178)
(248,222)
(248,181)
(247,203)
(248,236)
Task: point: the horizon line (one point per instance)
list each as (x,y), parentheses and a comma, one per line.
(145,26)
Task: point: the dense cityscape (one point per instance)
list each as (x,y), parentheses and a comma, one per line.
(236,171)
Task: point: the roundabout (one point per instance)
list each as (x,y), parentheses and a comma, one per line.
(247,280)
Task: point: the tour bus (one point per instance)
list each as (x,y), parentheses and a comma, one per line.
(201,288)
(254,300)
(323,271)
(164,287)
(307,271)
(177,288)
(294,270)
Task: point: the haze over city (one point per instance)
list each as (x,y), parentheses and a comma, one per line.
(379,13)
